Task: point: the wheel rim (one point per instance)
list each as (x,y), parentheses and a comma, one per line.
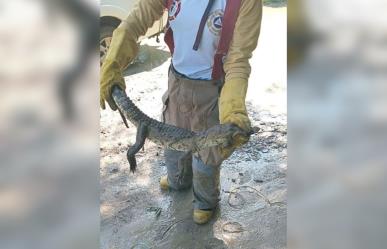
(104,45)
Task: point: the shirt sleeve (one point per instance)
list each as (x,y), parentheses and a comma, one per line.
(244,41)
(144,14)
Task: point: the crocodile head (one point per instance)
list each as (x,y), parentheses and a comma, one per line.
(220,135)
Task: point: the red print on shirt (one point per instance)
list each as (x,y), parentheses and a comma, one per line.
(174,10)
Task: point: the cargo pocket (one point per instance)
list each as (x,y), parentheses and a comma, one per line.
(184,98)
(165,100)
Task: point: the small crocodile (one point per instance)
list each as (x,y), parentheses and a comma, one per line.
(169,136)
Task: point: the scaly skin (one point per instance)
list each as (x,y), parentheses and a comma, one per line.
(169,136)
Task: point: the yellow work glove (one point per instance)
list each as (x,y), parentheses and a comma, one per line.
(122,50)
(110,75)
(232,109)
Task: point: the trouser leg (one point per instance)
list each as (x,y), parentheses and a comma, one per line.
(177,111)
(179,168)
(206,163)
(205,184)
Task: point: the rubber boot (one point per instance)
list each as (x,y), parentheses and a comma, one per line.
(202,216)
(164,185)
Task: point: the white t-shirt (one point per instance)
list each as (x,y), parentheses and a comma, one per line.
(184,19)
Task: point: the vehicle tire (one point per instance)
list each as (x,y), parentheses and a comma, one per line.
(105,38)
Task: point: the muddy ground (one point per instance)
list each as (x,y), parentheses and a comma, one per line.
(135,213)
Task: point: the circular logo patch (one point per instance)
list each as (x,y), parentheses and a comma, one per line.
(214,22)
(174,10)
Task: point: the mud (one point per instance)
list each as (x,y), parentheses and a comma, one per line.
(135,213)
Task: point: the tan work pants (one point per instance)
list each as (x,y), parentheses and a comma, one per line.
(193,105)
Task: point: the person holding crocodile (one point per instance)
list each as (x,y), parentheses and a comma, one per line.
(211,42)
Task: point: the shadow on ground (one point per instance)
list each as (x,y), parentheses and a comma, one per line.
(149,58)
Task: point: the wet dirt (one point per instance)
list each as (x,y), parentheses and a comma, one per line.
(135,213)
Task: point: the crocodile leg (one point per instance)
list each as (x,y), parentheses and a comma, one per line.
(142,133)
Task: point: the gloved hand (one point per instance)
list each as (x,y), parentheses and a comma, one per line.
(232,109)
(110,75)
(122,50)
